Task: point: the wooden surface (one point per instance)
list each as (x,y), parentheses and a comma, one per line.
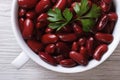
(9,49)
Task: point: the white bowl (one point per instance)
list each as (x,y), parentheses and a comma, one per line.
(34,57)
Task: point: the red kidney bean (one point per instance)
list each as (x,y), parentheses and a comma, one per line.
(83,51)
(75,46)
(89,46)
(110,27)
(27,3)
(35,45)
(82,41)
(42,17)
(59,58)
(48,30)
(104,7)
(28,29)
(38,34)
(50,48)
(42,6)
(49,38)
(103,37)
(68,63)
(69,2)
(112,16)
(61,4)
(31,15)
(47,58)
(77,29)
(67,37)
(40,25)
(102,23)
(62,47)
(80,59)
(53,1)
(21,12)
(107,1)
(21,24)
(99,51)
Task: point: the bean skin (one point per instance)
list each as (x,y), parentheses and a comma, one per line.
(48,30)
(103,37)
(27,3)
(42,6)
(105,7)
(21,24)
(42,17)
(75,46)
(89,46)
(102,23)
(67,37)
(77,29)
(107,1)
(83,51)
(59,58)
(47,58)
(68,63)
(22,12)
(49,38)
(100,50)
(28,29)
(80,59)
(50,48)
(61,4)
(35,45)
(112,16)
(82,41)
(31,15)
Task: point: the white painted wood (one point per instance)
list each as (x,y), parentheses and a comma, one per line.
(9,49)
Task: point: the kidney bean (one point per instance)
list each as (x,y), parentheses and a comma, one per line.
(69,2)
(49,38)
(89,46)
(53,1)
(80,59)
(103,37)
(75,46)
(83,51)
(21,12)
(31,14)
(107,1)
(104,7)
(61,4)
(99,51)
(82,41)
(112,16)
(68,63)
(40,25)
(42,6)
(28,29)
(42,17)
(47,58)
(27,3)
(59,58)
(102,23)
(77,29)
(50,48)
(67,37)
(48,30)
(110,27)
(61,47)
(38,34)
(66,29)
(21,24)
(35,45)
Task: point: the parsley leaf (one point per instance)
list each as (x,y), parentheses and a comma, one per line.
(86,14)
(59,19)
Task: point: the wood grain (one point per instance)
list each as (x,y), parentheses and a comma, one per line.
(9,49)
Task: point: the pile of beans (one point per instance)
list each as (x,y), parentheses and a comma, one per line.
(70,46)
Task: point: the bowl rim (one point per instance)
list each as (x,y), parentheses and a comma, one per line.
(36,59)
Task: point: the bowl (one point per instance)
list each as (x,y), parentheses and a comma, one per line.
(28,53)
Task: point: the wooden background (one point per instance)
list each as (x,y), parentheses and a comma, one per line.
(9,49)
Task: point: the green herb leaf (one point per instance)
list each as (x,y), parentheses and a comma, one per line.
(87,24)
(94,12)
(58,19)
(86,14)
